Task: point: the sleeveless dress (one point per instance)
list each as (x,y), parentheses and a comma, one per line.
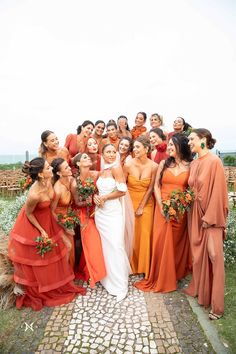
(110,223)
(92,248)
(62,208)
(171,257)
(47,280)
(141,258)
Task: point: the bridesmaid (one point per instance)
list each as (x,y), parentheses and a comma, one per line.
(208,223)
(123,127)
(112,136)
(92,151)
(171,258)
(49,148)
(140,173)
(77,142)
(47,279)
(125,149)
(91,241)
(139,128)
(180,126)
(99,128)
(62,201)
(158,140)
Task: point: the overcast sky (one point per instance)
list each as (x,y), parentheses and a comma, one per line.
(62,62)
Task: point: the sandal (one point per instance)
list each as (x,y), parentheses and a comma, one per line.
(214,316)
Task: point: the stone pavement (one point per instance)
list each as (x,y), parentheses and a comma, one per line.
(142,323)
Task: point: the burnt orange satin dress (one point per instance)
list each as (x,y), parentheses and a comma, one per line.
(62,208)
(171,257)
(140,261)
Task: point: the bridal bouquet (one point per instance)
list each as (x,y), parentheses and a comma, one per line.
(44,244)
(68,220)
(177,203)
(86,189)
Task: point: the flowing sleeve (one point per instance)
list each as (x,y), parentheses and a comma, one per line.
(217,207)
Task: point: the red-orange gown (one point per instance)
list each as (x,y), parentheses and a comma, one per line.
(207,180)
(62,208)
(47,280)
(92,249)
(75,144)
(170,257)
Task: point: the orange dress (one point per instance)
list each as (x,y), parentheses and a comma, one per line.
(62,208)
(47,280)
(171,258)
(140,261)
(92,264)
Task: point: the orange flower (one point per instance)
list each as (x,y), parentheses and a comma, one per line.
(172,211)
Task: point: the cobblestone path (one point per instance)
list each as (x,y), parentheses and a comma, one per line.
(142,323)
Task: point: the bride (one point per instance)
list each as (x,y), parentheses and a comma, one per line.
(110,224)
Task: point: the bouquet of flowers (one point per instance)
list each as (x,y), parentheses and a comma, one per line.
(68,220)
(177,203)
(44,244)
(86,188)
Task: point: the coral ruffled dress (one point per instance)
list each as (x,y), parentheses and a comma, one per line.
(171,257)
(47,280)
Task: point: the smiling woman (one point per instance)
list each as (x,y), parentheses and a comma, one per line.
(49,148)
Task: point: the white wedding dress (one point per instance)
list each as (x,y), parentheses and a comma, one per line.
(110,224)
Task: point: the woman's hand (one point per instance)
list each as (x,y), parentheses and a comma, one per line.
(99,201)
(205,225)
(44,234)
(70,232)
(139,211)
(89,200)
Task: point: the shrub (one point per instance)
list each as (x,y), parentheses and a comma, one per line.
(230,242)
(229,160)
(9,213)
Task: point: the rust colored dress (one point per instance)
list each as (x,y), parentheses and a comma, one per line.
(140,261)
(47,280)
(207,180)
(171,258)
(62,208)
(92,247)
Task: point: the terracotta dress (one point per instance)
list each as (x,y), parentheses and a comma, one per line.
(62,208)
(171,258)
(47,280)
(210,205)
(140,261)
(75,144)
(92,264)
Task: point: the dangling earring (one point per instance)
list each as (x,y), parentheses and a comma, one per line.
(203,145)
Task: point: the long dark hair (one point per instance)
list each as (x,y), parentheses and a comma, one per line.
(130,143)
(34,167)
(159,132)
(56,163)
(180,142)
(84,124)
